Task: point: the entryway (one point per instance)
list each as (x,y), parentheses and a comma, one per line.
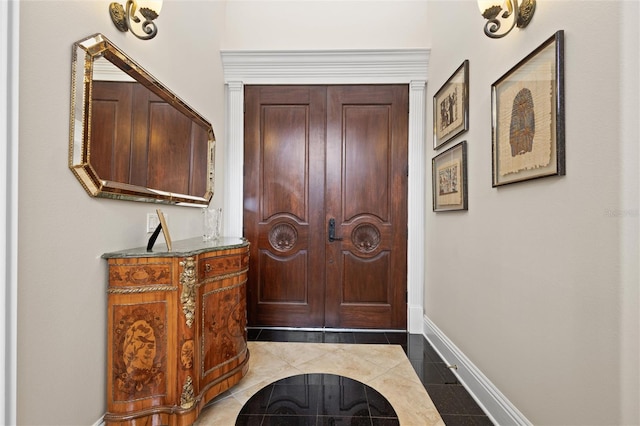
(355,66)
(325,205)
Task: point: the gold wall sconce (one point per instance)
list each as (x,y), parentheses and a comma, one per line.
(518,12)
(124,17)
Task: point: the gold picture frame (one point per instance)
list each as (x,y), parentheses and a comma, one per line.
(449,179)
(451,107)
(165,228)
(527,105)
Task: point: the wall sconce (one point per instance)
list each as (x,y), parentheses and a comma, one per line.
(124,17)
(520,14)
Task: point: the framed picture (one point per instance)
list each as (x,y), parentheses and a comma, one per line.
(165,229)
(451,107)
(527,114)
(449,171)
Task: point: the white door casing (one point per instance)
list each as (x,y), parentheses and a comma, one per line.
(9,79)
(388,66)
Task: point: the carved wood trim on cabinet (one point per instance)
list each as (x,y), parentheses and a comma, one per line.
(176,330)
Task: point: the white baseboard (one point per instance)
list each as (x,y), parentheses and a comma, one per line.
(100,422)
(497,407)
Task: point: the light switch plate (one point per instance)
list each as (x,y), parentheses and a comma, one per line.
(152,222)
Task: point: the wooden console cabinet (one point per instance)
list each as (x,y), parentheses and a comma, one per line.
(176,329)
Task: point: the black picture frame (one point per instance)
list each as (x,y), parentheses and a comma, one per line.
(451,107)
(527,116)
(449,179)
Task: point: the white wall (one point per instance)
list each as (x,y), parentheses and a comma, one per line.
(325,24)
(62,231)
(538,282)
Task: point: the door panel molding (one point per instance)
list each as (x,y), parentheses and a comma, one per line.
(373,162)
(406,66)
(283,177)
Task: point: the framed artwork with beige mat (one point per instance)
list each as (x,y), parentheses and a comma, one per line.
(528,116)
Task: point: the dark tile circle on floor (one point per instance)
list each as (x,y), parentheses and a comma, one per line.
(317,399)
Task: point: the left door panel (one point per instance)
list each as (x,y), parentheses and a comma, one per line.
(284,201)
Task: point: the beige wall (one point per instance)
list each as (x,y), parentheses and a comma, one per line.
(555,322)
(313,24)
(62,231)
(538,282)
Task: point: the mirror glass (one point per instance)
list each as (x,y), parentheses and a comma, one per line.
(131,138)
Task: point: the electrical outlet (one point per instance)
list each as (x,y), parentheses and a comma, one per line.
(152,222)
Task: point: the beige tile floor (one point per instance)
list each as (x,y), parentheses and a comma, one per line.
(383,367)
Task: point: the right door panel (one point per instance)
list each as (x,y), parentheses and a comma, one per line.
(366,177)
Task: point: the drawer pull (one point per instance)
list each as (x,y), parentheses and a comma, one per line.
(207,267)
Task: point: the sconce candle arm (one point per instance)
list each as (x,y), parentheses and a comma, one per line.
(124,16)
(522,11)
(492,27)
(148,25)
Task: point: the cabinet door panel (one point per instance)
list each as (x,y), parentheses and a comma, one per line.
(223,343)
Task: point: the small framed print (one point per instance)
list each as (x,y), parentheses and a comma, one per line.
(449,170)
(165,229)
(527,105)
(451,107)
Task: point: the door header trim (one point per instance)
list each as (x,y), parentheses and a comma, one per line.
(385,66)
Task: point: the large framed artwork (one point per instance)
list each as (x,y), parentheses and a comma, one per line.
(449,172)
(527,105)
(451,107)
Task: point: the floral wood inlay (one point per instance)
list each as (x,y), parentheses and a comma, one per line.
(223,324)
(140,274)
(220,265)
(186,355)
(188,296)
(139,352)
(365,237)
(283,237)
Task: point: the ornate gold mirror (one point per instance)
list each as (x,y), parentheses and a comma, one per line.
(131,138)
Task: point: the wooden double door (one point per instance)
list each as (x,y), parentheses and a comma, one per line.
(325,205)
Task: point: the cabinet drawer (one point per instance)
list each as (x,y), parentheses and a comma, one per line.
(140,274)
(210,267)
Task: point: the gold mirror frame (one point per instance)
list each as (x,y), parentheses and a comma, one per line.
(84,56)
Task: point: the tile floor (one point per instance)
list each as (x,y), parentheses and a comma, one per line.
(383,367)
(402,367)
(452,400)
